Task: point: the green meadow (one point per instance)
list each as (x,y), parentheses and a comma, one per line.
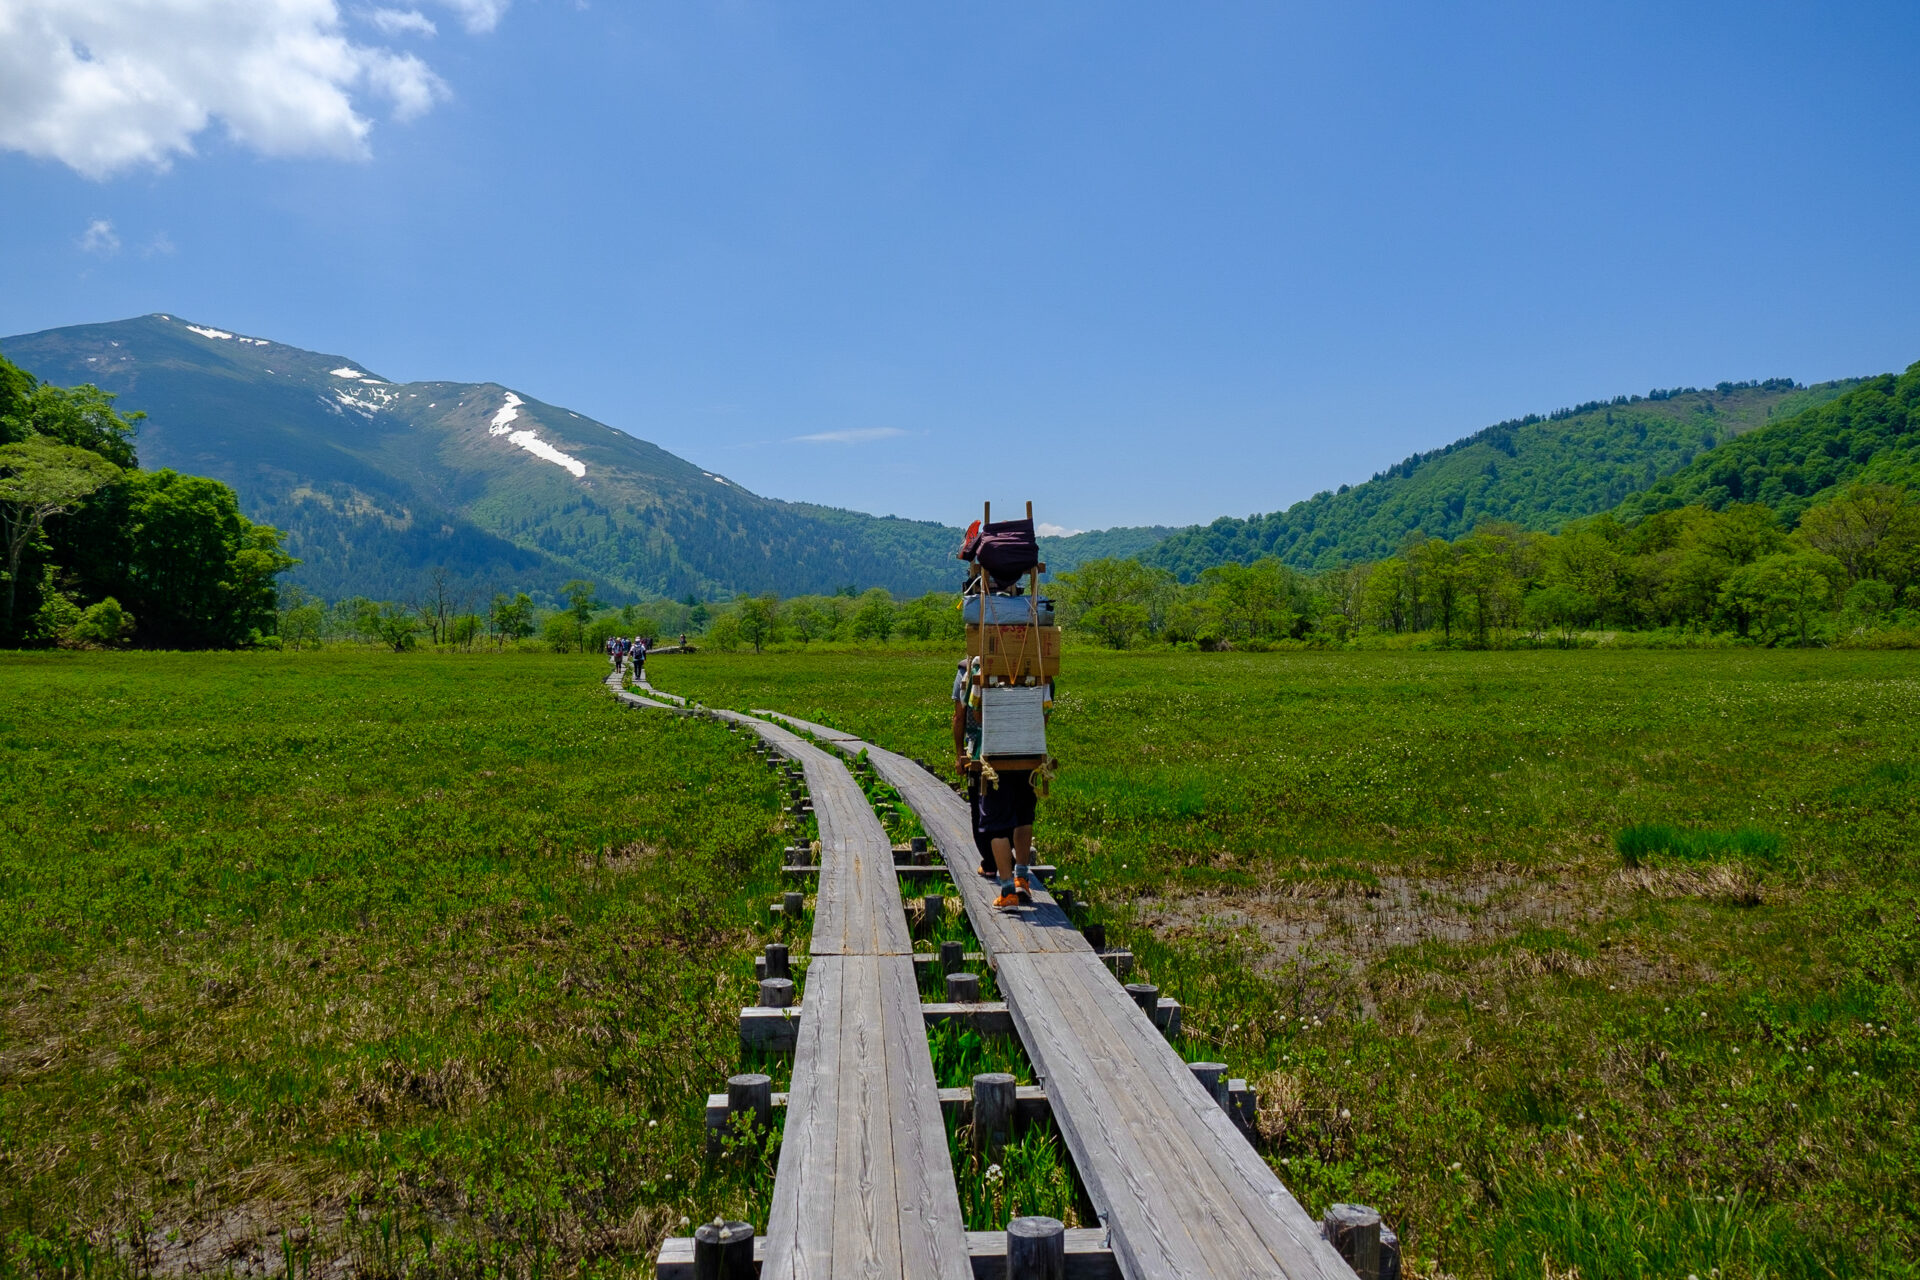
(1573,963)
(365,964)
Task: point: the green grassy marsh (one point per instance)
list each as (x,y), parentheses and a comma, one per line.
(1571,962)
(368,964)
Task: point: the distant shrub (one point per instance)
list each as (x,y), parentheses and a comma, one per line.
(1640,845)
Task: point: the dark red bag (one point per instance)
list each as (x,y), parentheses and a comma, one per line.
(1005,549)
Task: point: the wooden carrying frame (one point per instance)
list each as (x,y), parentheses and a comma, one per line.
(1014,652)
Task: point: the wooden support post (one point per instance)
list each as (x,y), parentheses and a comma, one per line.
(723,1250)
(1243,1108)
(1146,995)
(1064,900)
(1036,1249)
(792,904)
(1118,959)
(1355,1231)
(1096,936)
(776,993)
(993,1099)
(952,956)
(754,1093)
(778,965)
(1210,1075)
(918,844)
(1166,1016)
(963,988)
(932,908)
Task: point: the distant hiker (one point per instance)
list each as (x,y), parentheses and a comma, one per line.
(639,656)
(1002,805)
(683,641)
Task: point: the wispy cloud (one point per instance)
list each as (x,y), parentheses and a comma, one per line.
(856,435)
(403,22)
(100,238)
(1055,530)
(161,246)
(478,15)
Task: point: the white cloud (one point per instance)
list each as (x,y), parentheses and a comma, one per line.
(857,435)
(1055,530)
(478,15)
(403,22)
(100,238)
(108,85)
(160,246)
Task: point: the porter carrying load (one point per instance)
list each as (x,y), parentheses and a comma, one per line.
(1003,694)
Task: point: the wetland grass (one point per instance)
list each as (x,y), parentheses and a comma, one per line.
(1389,889)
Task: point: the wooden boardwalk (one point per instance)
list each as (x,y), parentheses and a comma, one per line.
(1178,1188)
(865,1184)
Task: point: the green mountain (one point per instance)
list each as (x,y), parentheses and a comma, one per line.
(1063,555)
(1869,435)
(376,482)
(1537,471)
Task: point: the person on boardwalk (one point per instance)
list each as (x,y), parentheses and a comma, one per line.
(1002,803)
(963,733)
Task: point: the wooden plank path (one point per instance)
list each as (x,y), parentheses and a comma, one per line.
(864,1187)
(1178,1188)
(635,700)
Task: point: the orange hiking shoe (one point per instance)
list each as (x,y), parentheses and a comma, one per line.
(1023,891)
(1008,898)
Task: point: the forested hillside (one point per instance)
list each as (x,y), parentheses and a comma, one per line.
(1063,554)
(1537,472)
(1869,435)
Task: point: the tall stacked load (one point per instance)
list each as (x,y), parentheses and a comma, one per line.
(1013,646)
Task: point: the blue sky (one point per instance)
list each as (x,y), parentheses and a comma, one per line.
(1142,263)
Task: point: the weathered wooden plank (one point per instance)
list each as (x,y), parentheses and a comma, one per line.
(1088,1257)
(932,1230)
(779,1030)
(862,1200)
(795,1244)
(903,870)
(1029,1105)
(865,1184)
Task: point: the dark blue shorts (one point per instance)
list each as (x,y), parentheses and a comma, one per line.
(998,810)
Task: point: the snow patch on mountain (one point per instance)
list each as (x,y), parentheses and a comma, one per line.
(365,402)
(508,412)
(530,441)
(539,448)
(348,371)
(208,333)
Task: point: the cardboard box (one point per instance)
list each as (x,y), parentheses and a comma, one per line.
(1015,652)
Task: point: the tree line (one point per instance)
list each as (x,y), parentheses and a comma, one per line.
(1847,572)
(100,552)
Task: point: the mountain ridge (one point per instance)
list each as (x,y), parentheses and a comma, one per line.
(1538,471)
(374,481)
